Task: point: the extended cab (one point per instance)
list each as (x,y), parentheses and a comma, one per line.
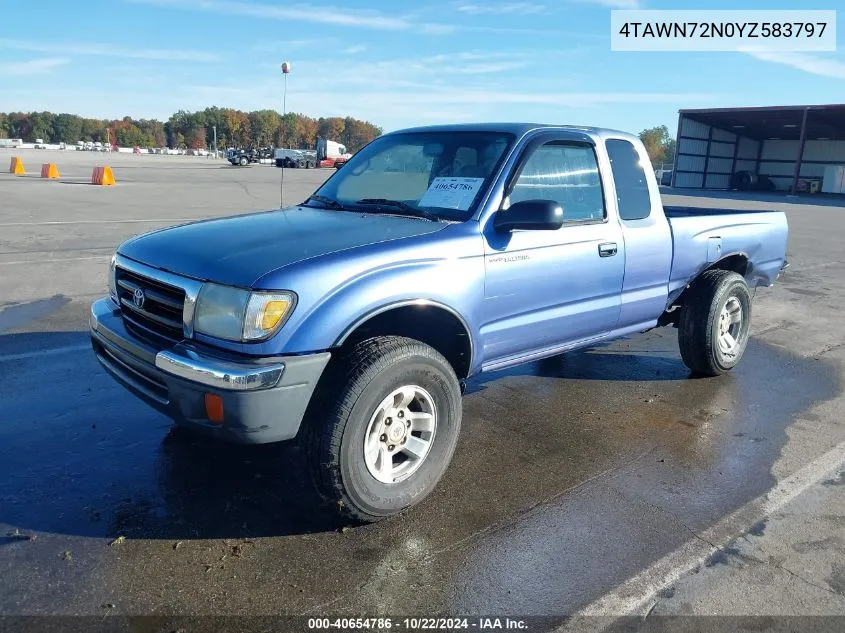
(352,320)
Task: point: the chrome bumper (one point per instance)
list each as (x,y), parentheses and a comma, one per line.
(264,399)
(216,373)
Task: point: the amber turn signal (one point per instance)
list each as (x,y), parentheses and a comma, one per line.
(214,408)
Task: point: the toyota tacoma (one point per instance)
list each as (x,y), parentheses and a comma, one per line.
(350,322)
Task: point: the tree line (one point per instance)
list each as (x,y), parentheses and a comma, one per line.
(192,130)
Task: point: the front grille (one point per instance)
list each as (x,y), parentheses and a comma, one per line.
(159,318)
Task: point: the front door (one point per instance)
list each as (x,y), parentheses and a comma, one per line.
(548,288)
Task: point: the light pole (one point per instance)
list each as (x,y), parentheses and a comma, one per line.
(285,73)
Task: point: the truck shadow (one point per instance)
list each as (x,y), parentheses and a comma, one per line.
(81,456)
(615,361)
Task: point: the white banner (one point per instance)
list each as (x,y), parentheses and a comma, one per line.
(746,30)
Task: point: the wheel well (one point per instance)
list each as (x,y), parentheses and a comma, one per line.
(429,324)
(735,263)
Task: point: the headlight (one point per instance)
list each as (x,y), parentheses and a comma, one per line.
(240,315)
(113,281)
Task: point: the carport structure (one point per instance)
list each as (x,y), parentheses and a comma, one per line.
(784,143)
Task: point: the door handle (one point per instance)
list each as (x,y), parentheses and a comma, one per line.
(608,249)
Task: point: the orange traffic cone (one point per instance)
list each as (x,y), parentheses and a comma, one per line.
(102,176)
(49,170)
(16,167)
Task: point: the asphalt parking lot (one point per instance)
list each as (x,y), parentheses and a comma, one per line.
(602,482)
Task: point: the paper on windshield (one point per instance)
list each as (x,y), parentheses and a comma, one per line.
(451,193)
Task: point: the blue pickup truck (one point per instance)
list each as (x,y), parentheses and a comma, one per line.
(351,322)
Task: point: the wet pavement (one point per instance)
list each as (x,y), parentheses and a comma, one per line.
(571,475)
(609,454)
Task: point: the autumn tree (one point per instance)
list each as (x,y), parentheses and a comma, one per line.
(197,140)
(331,128)
(20,126)
(264,124)
(93,130)
(305,132)
(357,133)
(657,143)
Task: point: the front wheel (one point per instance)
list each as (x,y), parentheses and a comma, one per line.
(715,322)
(244,161)
(383,426)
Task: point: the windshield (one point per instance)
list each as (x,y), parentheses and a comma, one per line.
(441,174)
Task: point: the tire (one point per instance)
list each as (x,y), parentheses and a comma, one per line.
(300,164)
(710,303)
(243,161)
(348,403)
(310,165)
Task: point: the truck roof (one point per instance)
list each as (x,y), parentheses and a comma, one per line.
(518,129)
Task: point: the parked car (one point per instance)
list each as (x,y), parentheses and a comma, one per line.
(302,159)
(351,321)
(39,144)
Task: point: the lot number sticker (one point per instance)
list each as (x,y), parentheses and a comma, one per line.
(451,193)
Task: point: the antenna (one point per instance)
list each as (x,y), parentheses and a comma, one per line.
(285,73)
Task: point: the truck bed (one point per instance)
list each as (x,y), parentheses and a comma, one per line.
(682,212)
(703,236)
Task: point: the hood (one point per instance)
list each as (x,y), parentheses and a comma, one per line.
(239,250)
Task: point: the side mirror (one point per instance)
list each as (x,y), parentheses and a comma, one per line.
(530,215)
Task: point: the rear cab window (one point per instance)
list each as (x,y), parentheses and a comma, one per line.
(632,195)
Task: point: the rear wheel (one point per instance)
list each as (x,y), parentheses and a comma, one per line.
(715,322)
(383,426)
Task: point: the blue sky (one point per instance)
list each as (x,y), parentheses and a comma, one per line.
(394,63)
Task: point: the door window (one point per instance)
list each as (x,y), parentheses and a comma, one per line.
(565,173)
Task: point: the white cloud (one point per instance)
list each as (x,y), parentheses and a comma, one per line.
(335,16)
(807,62)
(32,67)
(615,4)
(507,8)
(354,50)
(489,67)
(108,50)
(424,73)
(304,13)
(283,45)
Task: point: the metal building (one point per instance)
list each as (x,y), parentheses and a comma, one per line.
(791,145)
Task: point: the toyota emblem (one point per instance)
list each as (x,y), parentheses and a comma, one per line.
(138,297)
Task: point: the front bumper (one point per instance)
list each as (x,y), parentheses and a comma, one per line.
(264,400)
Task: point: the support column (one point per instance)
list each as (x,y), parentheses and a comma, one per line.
(797,172)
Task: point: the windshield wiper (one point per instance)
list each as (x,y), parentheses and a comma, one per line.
(406,208)
(330,203)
